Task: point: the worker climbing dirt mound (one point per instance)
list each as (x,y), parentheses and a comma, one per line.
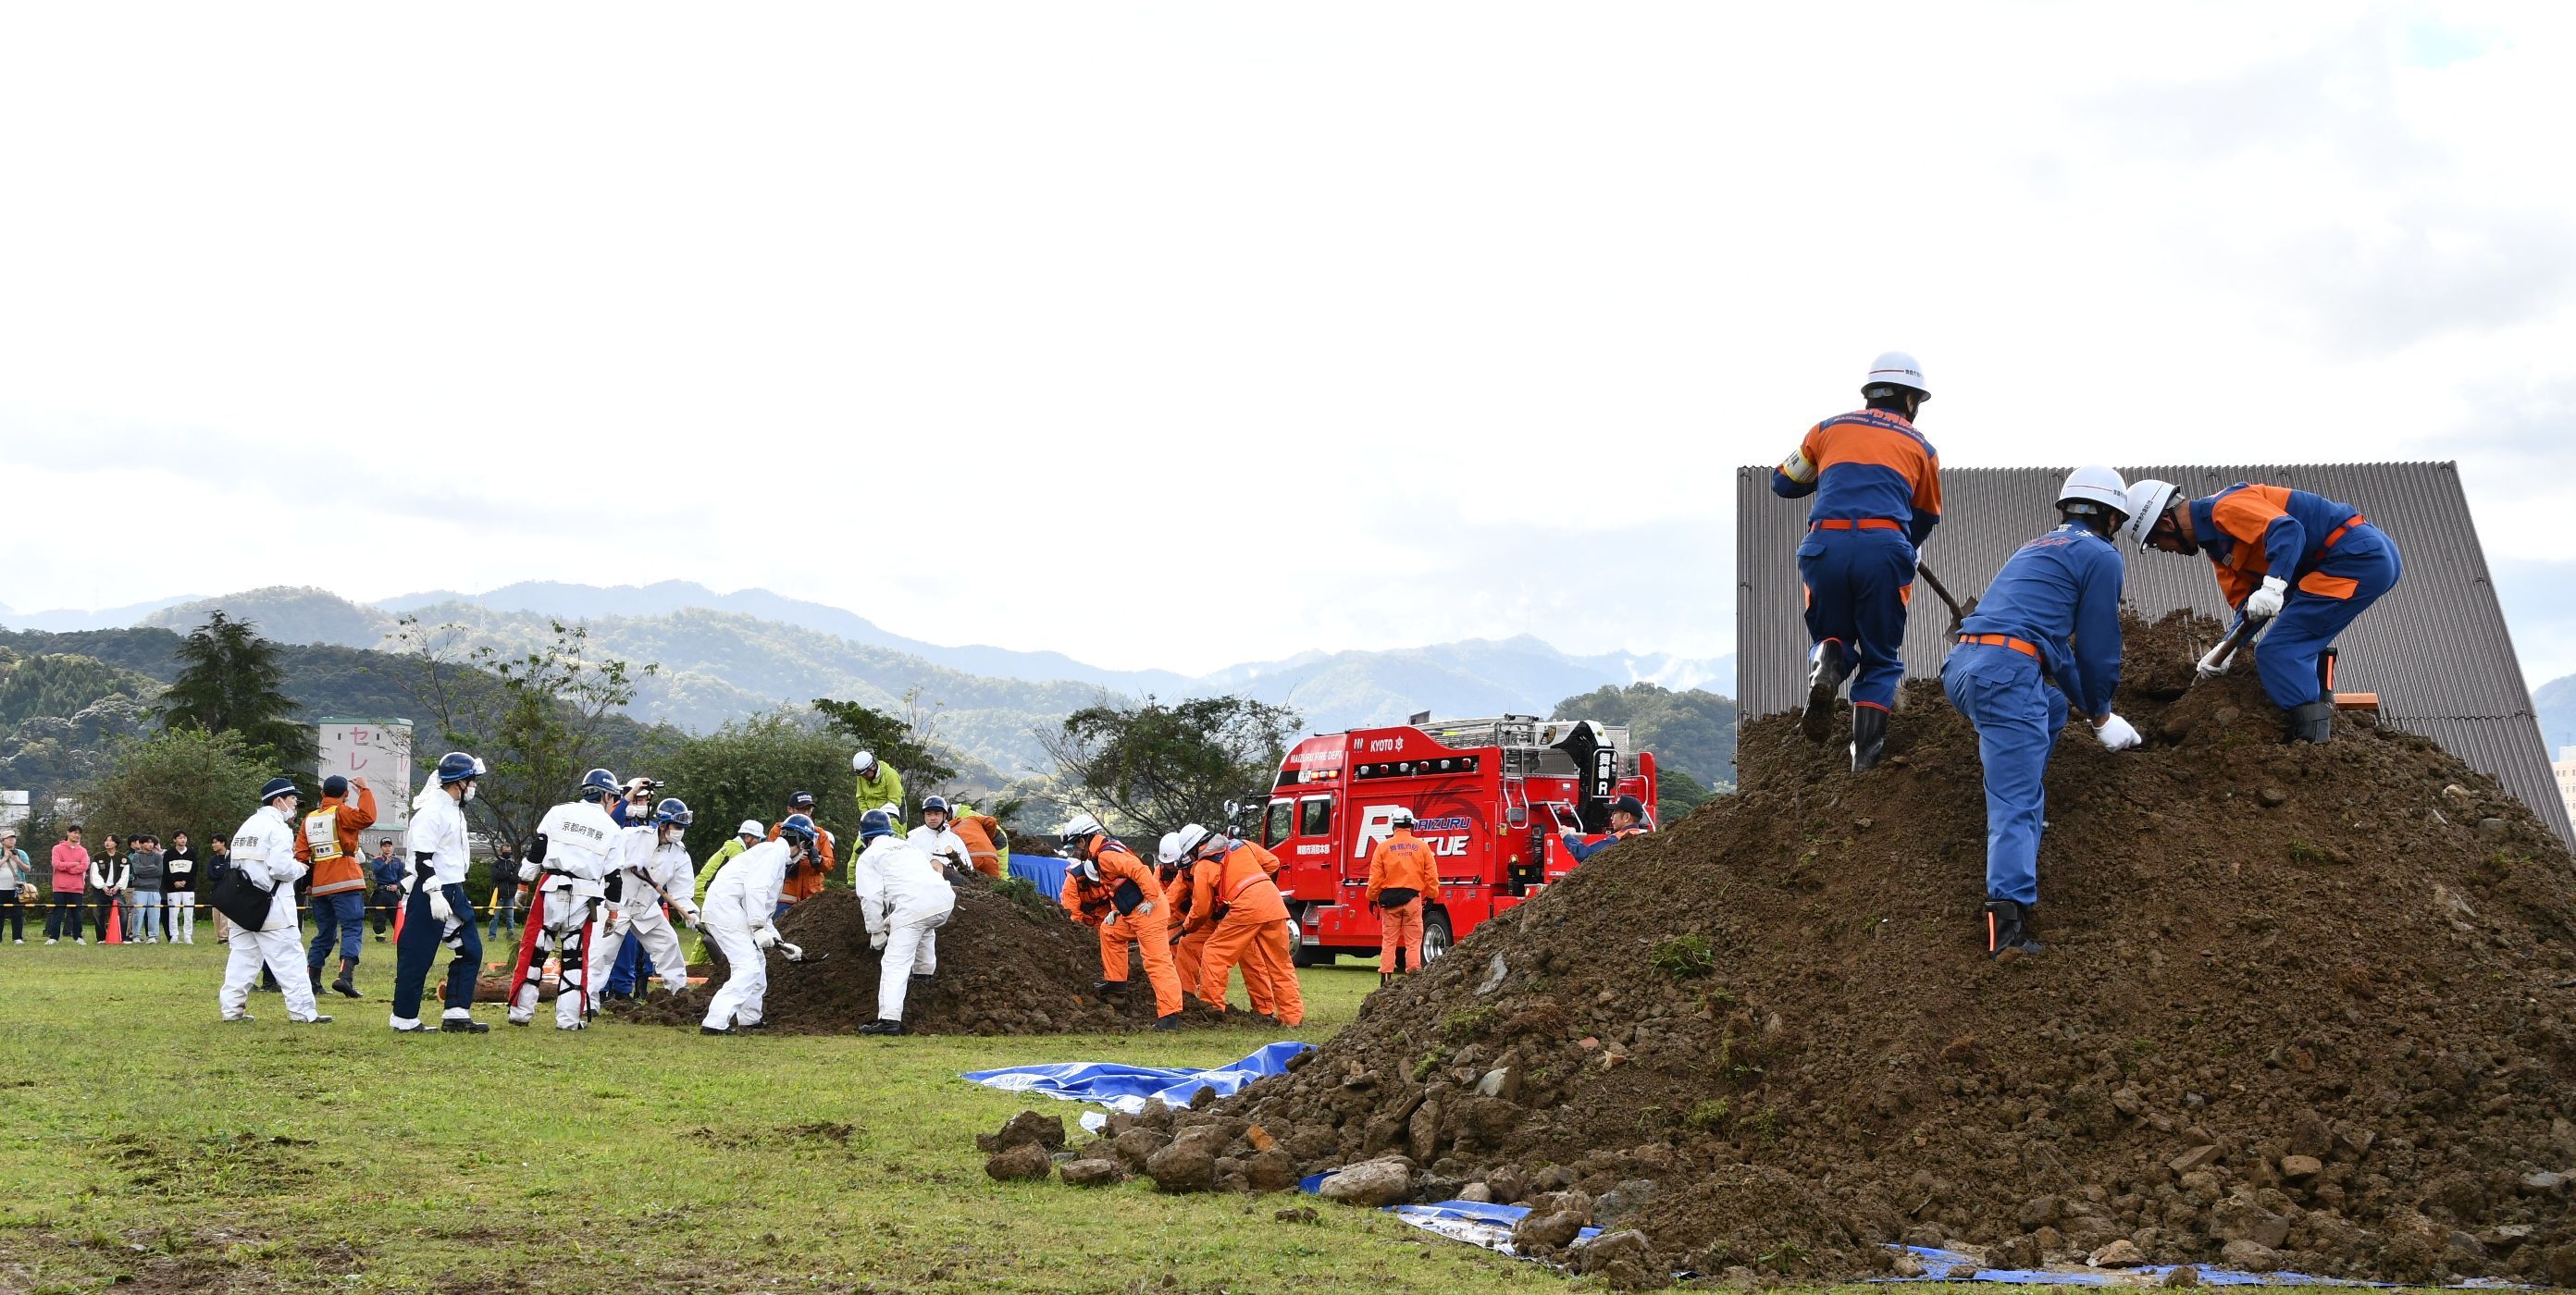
(1004,968)
(2308,1007)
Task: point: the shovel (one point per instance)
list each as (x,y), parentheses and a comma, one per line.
(1959,612)
(2224,655)
(796,953)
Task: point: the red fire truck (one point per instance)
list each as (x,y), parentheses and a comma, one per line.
(1493,797)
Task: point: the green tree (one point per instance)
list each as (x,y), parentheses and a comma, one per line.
(1677,794)
(748,768)
(538,719)
(232,681)
(180,779)
(1691,731)
(1158,766)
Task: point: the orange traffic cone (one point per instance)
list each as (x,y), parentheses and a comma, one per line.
(115,933)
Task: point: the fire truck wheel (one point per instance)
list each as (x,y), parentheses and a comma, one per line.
(1303,956)
(1435,936)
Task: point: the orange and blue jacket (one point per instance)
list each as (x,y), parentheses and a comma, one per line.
(805,880)
(1237,883)
(2251,531)
(337,862)
(1868,468)
(1125,882)
(1403,861)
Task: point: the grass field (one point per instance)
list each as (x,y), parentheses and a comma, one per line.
(144,1143)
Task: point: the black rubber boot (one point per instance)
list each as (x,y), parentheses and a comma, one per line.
(347,984)
(316,973)
(1826,669)
(2313,722)
(1107,988)
(882,1026)
(2008,931)
(1385,978)
(1869,737)
(1171,1022)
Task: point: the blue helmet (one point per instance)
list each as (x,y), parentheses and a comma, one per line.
(940,803)
(278,787)
(874,824)
(797,827)
(456,766)
(673,812)
(598,783)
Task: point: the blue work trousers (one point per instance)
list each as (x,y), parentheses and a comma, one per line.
(418,948)
(633,965)
(2018,715)
(341,915)
(2310,620)
(1858,582)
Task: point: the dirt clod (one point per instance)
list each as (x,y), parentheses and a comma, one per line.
(1025,1161)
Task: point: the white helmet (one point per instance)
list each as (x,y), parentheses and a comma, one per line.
(1894,369)
(891,810)
(863,761)
(2148,500)
(1169,852)
(751,827)
(1191,837)
(2098,486)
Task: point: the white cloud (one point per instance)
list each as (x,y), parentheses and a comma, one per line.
(1363,323)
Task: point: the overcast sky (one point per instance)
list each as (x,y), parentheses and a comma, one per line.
(1323,325)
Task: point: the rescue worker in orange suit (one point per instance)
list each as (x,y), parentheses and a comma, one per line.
(1877,486)
(1189,934)
(984,840)
(805,875)
(1247,919)
(1403,872)
(1627,819)
(2304,562)
(1106,886)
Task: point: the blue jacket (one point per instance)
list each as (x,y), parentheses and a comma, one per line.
(1869,464)
(2061,594)
(390,871)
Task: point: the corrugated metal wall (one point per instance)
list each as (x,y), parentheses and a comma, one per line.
(2435,649)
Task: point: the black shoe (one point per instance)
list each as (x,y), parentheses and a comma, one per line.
(921,977)
(459,1025)
(616,996)
(709,1029)
(1385,978)
(2313,722)
(1869,737)
(882,1027)
(755,1025)
(1825,672)
(317,1019)
(1171,1022)
(346,986)
(1105,988)
(2008,931)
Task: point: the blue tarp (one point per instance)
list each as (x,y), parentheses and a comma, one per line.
(1041,871)
(1126,1088)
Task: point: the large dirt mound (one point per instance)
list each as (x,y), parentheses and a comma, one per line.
(1005,967)
(2300,1006)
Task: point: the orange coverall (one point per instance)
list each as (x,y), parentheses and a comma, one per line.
(1253,932)
(979,832)
(1095,904)
(804,881)
(1193,939)
(1401,862)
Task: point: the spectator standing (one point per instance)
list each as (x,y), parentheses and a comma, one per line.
(143,916)
(71,873)
(179,888)
(16,879)
(219,855)
(327,842)
(505,890)
(386,871)
(108,874)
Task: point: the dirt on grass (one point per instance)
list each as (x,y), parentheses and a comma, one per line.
(1006,965)
(2306,1008)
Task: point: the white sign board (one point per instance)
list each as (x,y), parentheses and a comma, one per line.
(378,751)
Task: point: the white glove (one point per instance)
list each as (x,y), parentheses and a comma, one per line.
(2117,734)
(764,938)
(438,904)
(2265,603)
(528,870)
(1144,909)
(876,940)
(692,918)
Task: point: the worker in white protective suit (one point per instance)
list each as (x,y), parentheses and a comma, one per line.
(568,862)
(264,851)
(905,899)
(937,837)
(652,868)
(436,910)
(740,908)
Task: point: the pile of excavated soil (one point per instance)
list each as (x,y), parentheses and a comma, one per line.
(2311,1008)
(1003,969)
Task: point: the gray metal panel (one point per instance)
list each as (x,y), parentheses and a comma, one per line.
(2436,649)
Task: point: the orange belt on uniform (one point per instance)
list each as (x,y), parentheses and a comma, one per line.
(1847,524)
(2030,650)
(2338,533)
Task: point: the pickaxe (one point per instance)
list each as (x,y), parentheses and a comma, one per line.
(1959,612)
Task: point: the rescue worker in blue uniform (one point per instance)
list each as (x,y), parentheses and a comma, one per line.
(1877,485)
(2300,560)
(2052,616)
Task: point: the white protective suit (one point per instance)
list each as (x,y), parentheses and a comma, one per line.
(637,914)
(739,907)
(943,845)
(264,849)
(905,901)
(579,837)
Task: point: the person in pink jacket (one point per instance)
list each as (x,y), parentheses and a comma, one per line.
(71,877)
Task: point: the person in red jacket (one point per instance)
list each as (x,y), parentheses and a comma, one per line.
(328,844)
(71,881)
(1402,874)
(1108,888)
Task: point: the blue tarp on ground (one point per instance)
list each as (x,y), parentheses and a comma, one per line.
(1047,874)
(1125,1088)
